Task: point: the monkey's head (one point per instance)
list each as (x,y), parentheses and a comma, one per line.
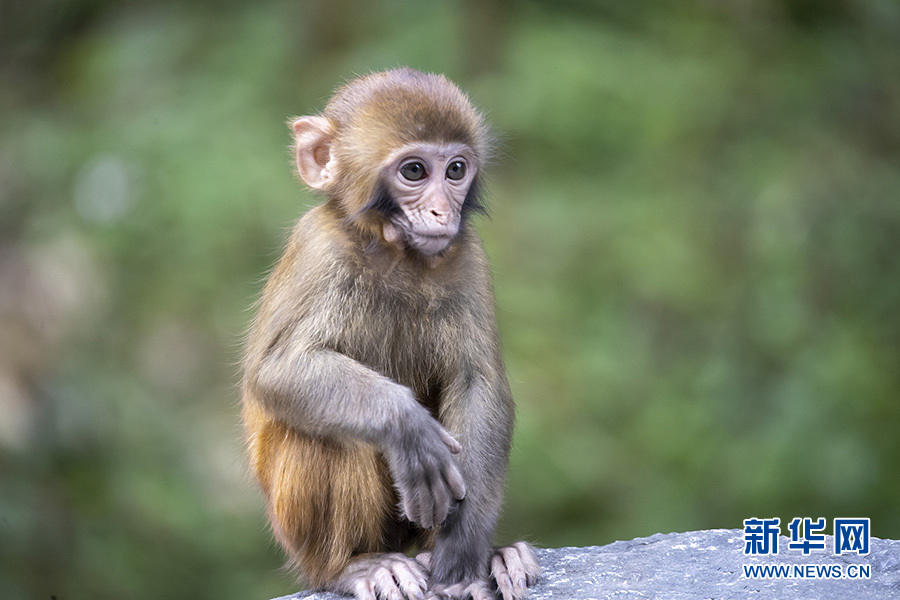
(399,152)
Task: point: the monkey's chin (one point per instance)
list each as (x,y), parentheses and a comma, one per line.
(429,245)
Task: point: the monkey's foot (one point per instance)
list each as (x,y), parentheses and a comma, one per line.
(383,576)
(476,590)
(515,568)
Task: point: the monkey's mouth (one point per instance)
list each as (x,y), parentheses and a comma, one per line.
(430,244)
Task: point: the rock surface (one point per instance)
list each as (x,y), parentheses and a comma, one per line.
(700,565)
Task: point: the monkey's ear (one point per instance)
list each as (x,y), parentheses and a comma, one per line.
(312,137)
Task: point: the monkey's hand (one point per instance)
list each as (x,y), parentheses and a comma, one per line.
(419,455)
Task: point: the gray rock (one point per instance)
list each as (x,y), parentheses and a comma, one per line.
(701,565)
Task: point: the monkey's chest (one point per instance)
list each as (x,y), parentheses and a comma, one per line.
(410,339)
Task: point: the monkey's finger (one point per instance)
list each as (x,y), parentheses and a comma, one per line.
(441,496)
(426,520)
(455,482)
(416,499)
(426,507)
(451,443)
(409,507)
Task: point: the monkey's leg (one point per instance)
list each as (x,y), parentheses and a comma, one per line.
(330,504)
(479,412)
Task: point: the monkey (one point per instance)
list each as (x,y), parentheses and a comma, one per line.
(375,403)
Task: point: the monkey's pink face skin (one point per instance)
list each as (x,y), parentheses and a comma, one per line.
(429,183)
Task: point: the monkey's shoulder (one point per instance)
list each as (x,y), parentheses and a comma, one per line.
(318,228)
(316,246)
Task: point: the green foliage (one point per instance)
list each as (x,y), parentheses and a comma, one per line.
(695,238)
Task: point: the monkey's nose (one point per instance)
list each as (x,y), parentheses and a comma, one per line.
(440,216)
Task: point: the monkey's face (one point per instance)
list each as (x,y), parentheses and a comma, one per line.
(427,184)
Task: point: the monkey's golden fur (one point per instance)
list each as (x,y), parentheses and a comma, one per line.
(310,486)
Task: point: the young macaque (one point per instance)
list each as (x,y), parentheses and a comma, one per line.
(375,401)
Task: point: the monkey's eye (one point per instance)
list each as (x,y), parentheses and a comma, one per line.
(413,171)
(456,170)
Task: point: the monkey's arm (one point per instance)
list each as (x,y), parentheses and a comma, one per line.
(324,393)
(462,552)
(291,367)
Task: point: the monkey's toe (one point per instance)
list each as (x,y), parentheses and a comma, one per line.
(410,578)
(424,559)
(515,568)
(383,577)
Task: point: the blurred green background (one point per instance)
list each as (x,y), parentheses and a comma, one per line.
(695,235)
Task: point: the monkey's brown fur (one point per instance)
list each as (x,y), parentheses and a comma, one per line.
(375,115)
(395,325)
(311,485)
(347,320)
